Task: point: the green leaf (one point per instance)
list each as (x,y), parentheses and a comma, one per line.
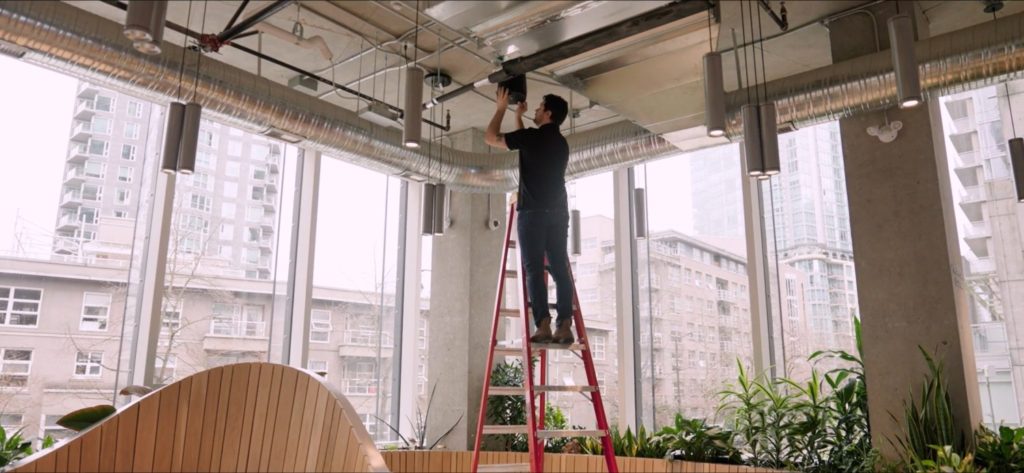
(84,418)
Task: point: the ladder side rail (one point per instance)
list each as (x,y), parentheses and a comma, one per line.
(536,455)
(588,365)
(482,418)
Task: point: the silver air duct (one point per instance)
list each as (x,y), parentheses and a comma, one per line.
(958,61)
(75,42)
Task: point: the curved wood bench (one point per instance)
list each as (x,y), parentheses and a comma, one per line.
(242,417)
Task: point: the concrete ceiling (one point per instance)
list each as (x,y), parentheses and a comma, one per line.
(653,79)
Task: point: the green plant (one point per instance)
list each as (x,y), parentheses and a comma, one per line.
(928,420)
(743,405)
(419,441)
(946,461)
(694,440)
(84,418)
(511,410)
(1000,452)
(641,445)
(13,447)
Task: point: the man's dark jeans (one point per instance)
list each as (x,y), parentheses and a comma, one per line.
(544,232)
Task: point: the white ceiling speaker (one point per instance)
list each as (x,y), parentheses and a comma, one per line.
(886,133)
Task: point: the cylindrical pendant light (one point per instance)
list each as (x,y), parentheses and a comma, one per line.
(1017,163)
(640,211)
(904,61)
(189,138)
(427,210)
(172,137)
(714,95)
(574,232)
(752,139)
(412,126)
(440,202)
(769,139)
(156,26)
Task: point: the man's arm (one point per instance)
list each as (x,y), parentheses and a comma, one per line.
(520,110)
(493,135)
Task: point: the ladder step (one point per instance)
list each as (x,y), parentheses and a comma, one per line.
(508,351)
(508,313)
(504,468)
(511,273)
(505,429)
(550,434)
(558,346)
(512,244)
(549,388)
(506,391)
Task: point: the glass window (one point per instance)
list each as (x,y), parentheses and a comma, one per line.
(125,174)
(95,311)
(12,423)
(254,213)
(54,430)
(134,109)
(101,125)
(320,326)
(104,103)
(202,180)
(89,364)
(20,306)
(227,210)
(234,148)
(227,231)
(122,196)
(233,169)
(15,365)
(128,152)
(206,159)
(98,147)
(200,202)
(131,131)
(319,367)
(230,189)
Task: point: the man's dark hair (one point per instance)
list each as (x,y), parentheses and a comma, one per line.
(557,106)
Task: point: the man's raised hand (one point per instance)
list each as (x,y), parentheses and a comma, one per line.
(502,98)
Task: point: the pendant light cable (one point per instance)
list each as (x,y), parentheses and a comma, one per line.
(184,48)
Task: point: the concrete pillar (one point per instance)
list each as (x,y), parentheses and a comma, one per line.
(909,275)
(464,279)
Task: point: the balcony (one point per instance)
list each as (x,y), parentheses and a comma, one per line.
(267,224)
(84,110)
(983,266)
(66,246)
(976,235)
(71,199)
(359,387)
(363,343)
(236,335)
(87,91)
(75,176)
(963,124)
(969,159)
(990,339)
(68,222)
(78,154)
(971,200)
(726,295)
(81,132)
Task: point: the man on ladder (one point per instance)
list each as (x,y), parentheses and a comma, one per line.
(543,207)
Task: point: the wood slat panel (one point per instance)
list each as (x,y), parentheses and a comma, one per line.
(47,463)
(235,413)
(194,426)
(316,432)
(166,426)
(259,419)
(74,455)
(209,420)
(296,412)
(108,434)
(268,430)
(350,459)
(221,417)
(125,453)
(180,423)
(91,444)
(145,432)
(306,425)
(61,462)
(326,441)
(248,415)
(284,413)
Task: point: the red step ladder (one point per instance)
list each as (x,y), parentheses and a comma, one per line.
(534,428)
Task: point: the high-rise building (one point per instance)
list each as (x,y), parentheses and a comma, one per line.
(225,212)
(990,222)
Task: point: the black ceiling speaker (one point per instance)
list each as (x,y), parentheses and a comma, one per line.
(516,89)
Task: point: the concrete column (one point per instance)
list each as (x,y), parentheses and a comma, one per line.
(408,355)
(295,339)
(627,307)
(907,259)
(464,279)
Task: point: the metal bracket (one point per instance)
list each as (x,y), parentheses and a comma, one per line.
(780,19)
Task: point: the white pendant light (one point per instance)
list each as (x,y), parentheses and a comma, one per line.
(144,25)
(752,139)
(574,232)
(904,61)
(412,124)
(640,211)
(427,210)
(172,137)
(440,203)
(769,137)
(189,138)
(714,95)
(1017,163)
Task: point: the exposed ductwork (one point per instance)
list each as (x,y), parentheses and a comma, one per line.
(67,39)
(954,62)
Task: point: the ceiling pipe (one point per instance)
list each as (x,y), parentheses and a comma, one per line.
(250,21)
(663,15)
(962,60)
(72,41)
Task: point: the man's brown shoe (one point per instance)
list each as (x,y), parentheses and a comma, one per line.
(564,333)
(543,333)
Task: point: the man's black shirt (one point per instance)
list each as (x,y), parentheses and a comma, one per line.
(543,157)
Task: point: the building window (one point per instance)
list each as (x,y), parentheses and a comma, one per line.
(230,189)
(258,193)
(234,148)
(320,326)
(128,152)
(124,174)
(52,429)
(12,423)
(207,138)
(232,169)
(100,125)
(201,180)
(95,311)
(227,210)
(131,131)
(421,338)
(166,368)
(206,159)
(232,320)
(319,367)
(89,364)
(122,196)
(20,306)
(227,231)
(120,214)
(104,103)
(597,343)
(15,365)
(98,147)
(170,322)
(259,174)
(254,213)
(134,109)
(200,202)
(370,422)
